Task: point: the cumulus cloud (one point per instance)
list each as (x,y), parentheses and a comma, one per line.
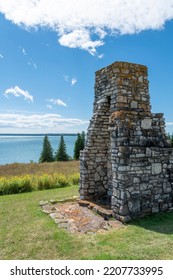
(1,56)
(56,102)
(84,24)
(80,39)
(17,91)
(39,123)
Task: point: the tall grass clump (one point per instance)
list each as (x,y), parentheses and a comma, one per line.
(74,179)
(28,183)
(44,182)
(20,169)
(15,185)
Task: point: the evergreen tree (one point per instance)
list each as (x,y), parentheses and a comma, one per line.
(168,136)
(61,154)
(171,138)
(47,152)
(79,144)
(83,138)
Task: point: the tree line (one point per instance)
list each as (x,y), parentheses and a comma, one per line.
(170,139)
(47,154)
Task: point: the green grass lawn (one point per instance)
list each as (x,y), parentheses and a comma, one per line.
(27,233)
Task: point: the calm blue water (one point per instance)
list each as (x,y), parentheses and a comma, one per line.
(23,149)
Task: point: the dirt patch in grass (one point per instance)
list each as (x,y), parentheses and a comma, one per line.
(80,219)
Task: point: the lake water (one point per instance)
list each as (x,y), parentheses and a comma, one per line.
(23,149)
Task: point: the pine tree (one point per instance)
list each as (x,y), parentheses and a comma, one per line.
(79,145)
(83,138)
(61,154)
(168,136)
(47,152)
(171,140)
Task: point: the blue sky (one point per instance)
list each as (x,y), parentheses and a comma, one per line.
(50,50)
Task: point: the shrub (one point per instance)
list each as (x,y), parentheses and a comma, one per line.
(15,185)
(2,184)
(44,182)
(25,184)
(28,183)
(62,181)
(74,179)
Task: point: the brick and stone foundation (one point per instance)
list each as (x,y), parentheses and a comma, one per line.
(127,160)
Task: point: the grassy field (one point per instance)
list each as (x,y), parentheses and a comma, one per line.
(20,178)
(27,233)
(17,169)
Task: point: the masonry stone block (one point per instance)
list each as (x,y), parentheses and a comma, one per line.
(134,206)
(146,123)
(156,168)
(134,105)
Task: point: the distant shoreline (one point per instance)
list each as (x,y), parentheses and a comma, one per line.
(38,134)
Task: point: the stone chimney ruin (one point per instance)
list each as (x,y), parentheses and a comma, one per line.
(127,161)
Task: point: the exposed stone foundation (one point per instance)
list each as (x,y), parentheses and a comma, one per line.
(127,159)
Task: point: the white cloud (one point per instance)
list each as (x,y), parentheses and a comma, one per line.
(73,81)
(30,60)
(17,91)
(32,63)
(66,78)
(169,127)
(1,56)
(101,56)
(39,123)
(24,51)
(84,24)
(80,39)
(56,102)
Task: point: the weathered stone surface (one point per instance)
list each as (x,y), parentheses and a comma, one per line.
(53,201)
(146,123)
(134,105)
(63,225)
(124,210)
(81,217)
(41,203)
(127,159)
(54,215)
(156,168)
(134,205)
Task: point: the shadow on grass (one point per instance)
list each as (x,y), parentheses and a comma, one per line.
(162,223)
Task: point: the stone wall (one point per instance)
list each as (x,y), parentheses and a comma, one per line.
(127,159)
